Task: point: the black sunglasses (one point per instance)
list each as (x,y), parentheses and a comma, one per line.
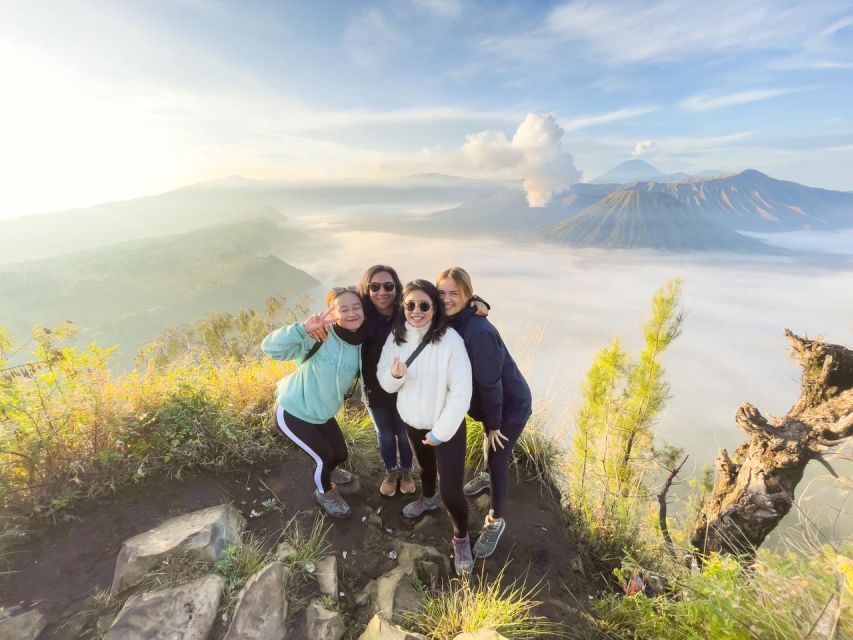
(423,305)
(388,286)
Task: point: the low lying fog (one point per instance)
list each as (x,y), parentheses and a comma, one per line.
(556,306)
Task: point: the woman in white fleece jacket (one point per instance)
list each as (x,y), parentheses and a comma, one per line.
(433,395)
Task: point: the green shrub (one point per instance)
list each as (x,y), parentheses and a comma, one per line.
(782,596)
(466,606)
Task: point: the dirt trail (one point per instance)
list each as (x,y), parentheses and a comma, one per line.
(61,565)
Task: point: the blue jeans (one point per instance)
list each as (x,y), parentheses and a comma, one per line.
(391,434)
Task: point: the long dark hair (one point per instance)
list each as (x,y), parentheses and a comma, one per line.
(439,318)
(364,288)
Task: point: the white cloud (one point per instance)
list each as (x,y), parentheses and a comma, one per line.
(441,8)
(534,154)
(705,102)
(582,122)
(619,32)
(643,147)
(368,37)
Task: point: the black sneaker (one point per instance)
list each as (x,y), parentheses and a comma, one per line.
(488,540)
(333,503)
(341,476)
(477,484)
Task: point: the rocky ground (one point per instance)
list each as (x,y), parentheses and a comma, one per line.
(57,567)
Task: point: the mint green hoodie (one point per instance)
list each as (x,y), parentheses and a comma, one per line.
(316,390)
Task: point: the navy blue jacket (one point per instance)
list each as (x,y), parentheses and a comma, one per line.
(501,395)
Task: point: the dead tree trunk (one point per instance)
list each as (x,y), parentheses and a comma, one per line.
(755,487)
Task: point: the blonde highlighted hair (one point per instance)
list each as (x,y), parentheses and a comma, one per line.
(462,280)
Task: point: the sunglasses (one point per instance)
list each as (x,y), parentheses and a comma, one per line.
(388,286)
(424,306)
(348,289)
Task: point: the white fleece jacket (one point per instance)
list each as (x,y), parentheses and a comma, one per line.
(435,393)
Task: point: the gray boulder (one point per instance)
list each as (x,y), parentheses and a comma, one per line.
(481,634)
(18,624)
(202,534)
(261,609)
(322,624)
(395,592)
(380,629)
(327,576)
(187,612)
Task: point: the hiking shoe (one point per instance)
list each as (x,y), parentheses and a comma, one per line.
(407,482)
(420,506)
(488,540)
(389,485)
(478,483)
(333,503)
(341,476)
(463,561)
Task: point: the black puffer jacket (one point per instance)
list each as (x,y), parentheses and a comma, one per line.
(377,327)
(501,394)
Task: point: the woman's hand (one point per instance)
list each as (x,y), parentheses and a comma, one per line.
(428,440)
(494,438)
(320,334)
(398,369)
(319,321)
(480,309)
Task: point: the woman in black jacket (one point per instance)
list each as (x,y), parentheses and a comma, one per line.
(501,399)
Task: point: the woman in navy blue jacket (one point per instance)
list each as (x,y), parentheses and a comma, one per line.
(501,399)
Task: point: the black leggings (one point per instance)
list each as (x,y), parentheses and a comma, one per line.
(448,461)
(323,442)
(498,463)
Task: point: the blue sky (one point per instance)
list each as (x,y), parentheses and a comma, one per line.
(121,99)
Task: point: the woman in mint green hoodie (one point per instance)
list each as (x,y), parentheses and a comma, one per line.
(309,398)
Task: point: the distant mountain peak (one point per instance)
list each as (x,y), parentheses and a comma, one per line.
(635,170)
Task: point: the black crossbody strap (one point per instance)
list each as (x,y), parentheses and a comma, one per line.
(415,354)
(312,351)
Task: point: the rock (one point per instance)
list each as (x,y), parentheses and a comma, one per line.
(425,527)
(396,592)
(186,612)
(12,536)
(367,594)
(322,624)
(428,572)
(327,576)
(18,624)
(380,629)
(576,564)
(202,534)
(483,502)
(261,609)
(285,551)
(481,634)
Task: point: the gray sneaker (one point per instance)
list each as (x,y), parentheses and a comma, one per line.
(333,503)
(463,562)
(420,506)
(341,476)
(477,484)
(488,540)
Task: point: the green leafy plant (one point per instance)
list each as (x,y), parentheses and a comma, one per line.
(241,561)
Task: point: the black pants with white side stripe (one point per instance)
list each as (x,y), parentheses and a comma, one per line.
(323,442)
(447,461)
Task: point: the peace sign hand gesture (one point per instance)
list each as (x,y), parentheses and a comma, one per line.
(398,369)
(319,320)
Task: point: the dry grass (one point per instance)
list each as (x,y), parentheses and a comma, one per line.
(467,606)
